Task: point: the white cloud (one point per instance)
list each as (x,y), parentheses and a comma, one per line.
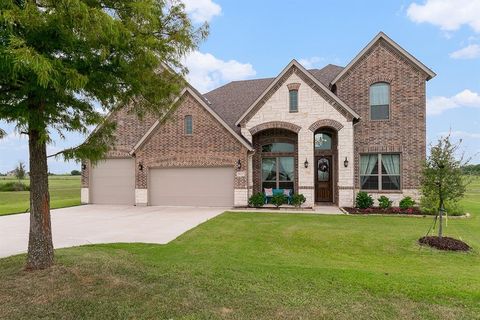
(466,98)
(469,52)
(312,62)
(202,10)
(449,15)
(207,72)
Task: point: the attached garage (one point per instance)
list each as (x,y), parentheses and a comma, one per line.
(113,182)
(200,187)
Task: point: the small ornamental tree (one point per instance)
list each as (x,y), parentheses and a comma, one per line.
(20,171)
(60,59)
(442,177)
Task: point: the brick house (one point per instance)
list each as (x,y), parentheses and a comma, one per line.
(326,133)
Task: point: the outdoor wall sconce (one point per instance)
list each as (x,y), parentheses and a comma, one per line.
(84,166)
(306,163)
(239,164)
(140,166)
(345,163)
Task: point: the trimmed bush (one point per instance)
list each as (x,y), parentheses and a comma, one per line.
(14,186)
(279,199)
(384,202)
(298,200)
(407,203)
(363,200)
(256,200)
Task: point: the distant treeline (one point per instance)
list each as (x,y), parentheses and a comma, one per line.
(472,169)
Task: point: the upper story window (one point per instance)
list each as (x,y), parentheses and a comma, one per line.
(380,101)
(293,98)
(188,125)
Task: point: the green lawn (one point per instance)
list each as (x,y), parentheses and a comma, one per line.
(64,192)
(261,266)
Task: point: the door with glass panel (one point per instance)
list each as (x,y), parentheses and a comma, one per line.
(323,179)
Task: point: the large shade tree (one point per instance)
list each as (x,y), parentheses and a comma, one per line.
(62,59)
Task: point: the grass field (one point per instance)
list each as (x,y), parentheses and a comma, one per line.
(261,266)
(64,192)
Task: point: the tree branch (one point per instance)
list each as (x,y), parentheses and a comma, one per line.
(62,152)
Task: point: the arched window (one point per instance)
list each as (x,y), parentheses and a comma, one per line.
(380,101)
(188,125)
(323,141)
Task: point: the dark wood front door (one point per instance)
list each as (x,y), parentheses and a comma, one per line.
(323,179)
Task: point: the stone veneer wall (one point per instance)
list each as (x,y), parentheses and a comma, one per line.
(210,145)
(405,131)
(312,107)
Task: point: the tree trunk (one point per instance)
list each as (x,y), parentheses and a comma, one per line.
(440,225)
(40,245)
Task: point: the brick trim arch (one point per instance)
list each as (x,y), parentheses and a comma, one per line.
(293,86)
(275,125)
(326,123)
(380,78)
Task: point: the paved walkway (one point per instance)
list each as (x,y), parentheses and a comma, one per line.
(106,224)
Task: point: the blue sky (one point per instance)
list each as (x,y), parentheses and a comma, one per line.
(254,39)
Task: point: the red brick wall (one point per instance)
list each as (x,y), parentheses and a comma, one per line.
(210,145)
(130,129)
(405,131)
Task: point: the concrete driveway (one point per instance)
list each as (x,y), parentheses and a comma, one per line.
(106,224)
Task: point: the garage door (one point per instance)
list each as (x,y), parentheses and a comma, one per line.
(209,187)
(113,182)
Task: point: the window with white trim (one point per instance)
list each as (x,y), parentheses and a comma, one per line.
(380,101)
(380,171)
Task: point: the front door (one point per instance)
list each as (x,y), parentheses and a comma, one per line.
(323,179)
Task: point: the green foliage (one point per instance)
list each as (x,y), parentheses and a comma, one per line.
(279,199)
(363,200)
(471,169)
(442,177)
(384,202)
(430,206)
(20,171)
(75,173)
(298,199)
(14,186)
(59,59)
(257,200)
(406,203)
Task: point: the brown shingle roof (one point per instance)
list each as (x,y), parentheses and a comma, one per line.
(233,99)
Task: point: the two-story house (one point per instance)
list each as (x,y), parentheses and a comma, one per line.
(326,133)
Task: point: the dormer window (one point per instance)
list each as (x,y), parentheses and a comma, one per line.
(380,101)
(188,125)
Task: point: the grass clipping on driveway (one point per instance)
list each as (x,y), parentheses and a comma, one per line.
(258,266)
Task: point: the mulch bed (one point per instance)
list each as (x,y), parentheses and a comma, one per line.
(444,243)
(376,210)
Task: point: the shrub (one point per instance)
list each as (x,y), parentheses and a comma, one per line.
(256,200)
(384,202)
(75,173)
(363,200)
(279,199)
(298,200)
(407,203)
(14,186)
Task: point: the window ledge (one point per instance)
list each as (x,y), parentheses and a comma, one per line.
(382,191)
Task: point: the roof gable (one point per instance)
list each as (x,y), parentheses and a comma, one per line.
(308,78)
(201,100)
(382,36)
